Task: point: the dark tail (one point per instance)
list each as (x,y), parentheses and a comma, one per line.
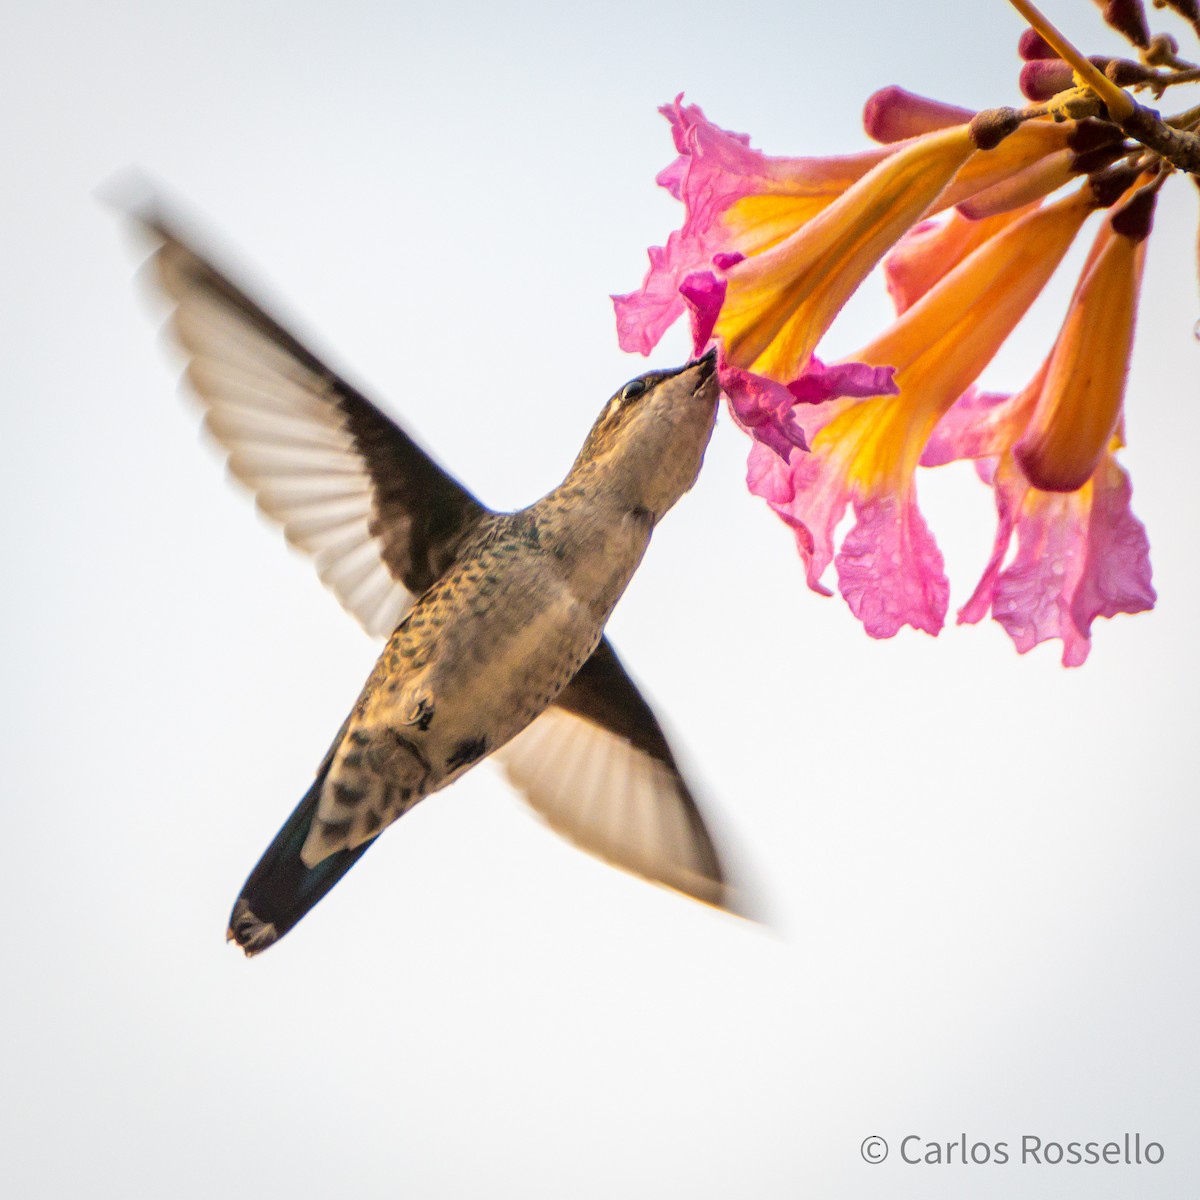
(281,889)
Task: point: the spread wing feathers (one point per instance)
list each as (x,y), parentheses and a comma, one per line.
(597,768)
(381,518)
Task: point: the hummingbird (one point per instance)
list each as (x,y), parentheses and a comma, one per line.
(494,620)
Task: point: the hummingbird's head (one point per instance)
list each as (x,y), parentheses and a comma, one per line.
(650,438)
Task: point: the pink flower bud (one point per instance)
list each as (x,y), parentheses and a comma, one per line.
(1033,46)
(1045,77)
(1128,18)
(894,115)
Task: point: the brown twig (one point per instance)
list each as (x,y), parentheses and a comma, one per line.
(1180,147)
(1185,120)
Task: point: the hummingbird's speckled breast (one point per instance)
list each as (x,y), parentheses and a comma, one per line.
(483,652)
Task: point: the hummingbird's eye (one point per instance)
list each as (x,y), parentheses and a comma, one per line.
(633,389)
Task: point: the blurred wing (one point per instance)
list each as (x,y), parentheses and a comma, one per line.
(597,768)
(381,519)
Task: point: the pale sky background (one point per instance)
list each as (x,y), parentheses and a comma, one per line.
(980,868)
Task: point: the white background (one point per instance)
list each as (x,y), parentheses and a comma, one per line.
(979,868)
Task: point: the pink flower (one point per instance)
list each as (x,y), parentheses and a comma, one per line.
(1081,552)
(771,248)
(777,303)
(1081,555)
(738,202)
(865,452)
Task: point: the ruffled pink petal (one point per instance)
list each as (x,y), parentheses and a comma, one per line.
(703,293)
(819,383)
(772,413)
(719,167)
(890,570)
(714,168)
(763,408)
(809,402)
(1117,577)
(671,177)
(808,496)
(1080,556)
(683,119)
(1031,597)
(686,120)
(645,315)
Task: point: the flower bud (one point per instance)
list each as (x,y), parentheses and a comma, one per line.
(1045,77)
(990,127)
(894,115)
(1128,18)
(1033,46)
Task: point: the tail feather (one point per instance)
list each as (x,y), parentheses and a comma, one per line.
(281,889)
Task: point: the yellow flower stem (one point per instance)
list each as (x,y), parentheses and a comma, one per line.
(1119,103)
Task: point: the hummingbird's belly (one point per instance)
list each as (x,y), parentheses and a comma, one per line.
(481,655)
(481,701)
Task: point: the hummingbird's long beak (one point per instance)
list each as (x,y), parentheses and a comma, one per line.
(705,366)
